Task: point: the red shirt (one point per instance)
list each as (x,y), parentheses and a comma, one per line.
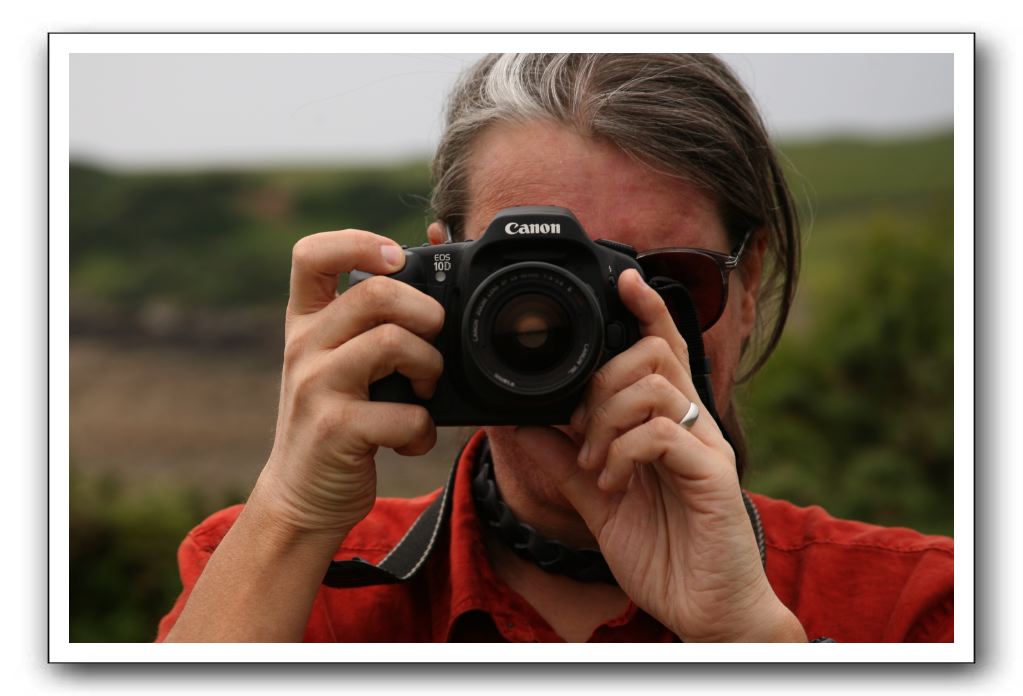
(846,580)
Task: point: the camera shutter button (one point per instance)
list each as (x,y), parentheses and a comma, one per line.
(615,336)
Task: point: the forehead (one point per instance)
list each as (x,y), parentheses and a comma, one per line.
(613,195)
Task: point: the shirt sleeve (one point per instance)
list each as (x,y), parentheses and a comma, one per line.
(931,594)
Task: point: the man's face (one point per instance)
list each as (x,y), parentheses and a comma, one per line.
(614,197)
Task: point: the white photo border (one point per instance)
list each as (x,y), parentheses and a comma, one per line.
(63,45)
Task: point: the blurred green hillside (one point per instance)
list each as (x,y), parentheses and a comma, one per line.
(853,412)
(217,238)
(223,239)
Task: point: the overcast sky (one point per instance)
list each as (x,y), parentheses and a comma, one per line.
(197,110)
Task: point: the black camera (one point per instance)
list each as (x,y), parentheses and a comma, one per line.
(531,312)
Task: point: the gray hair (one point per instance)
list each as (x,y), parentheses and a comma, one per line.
(683,115)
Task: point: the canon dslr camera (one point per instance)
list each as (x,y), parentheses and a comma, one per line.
(531,312)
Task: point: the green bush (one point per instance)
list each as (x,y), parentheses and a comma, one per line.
(123,563)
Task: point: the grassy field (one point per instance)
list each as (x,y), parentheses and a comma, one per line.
(154,417)
(178,284)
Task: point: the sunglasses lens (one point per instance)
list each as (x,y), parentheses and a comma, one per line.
(698,273)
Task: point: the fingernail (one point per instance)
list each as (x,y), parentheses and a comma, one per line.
(604,478)
(584,453)
(392,254)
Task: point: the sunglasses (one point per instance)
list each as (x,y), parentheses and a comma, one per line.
(704,274)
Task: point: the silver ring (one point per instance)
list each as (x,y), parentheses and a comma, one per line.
(691,415)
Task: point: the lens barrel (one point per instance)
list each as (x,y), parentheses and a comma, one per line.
(533,331)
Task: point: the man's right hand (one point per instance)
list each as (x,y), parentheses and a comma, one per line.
(320,478)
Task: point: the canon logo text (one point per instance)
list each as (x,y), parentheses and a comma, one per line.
(533,228)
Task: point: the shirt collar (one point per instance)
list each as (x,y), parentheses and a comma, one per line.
(472,581)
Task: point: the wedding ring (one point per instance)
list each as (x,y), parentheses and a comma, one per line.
(691,415)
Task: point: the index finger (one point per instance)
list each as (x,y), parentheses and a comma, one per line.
(318,260)
(649,309)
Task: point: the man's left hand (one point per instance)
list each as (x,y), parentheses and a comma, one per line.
(663,501)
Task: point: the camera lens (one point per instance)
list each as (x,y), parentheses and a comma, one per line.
(532,330)
(532,333)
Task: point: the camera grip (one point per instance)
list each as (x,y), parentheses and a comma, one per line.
(395,388)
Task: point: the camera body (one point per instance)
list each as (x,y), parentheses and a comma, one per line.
(531,312)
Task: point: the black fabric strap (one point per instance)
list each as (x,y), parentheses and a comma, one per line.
(407,557)
(683,311)
(758,526)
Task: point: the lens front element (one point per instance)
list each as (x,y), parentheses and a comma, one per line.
(533,329)
(532,333)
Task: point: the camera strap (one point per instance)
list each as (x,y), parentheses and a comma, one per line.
(683,311)
(414,548)
(410,553)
